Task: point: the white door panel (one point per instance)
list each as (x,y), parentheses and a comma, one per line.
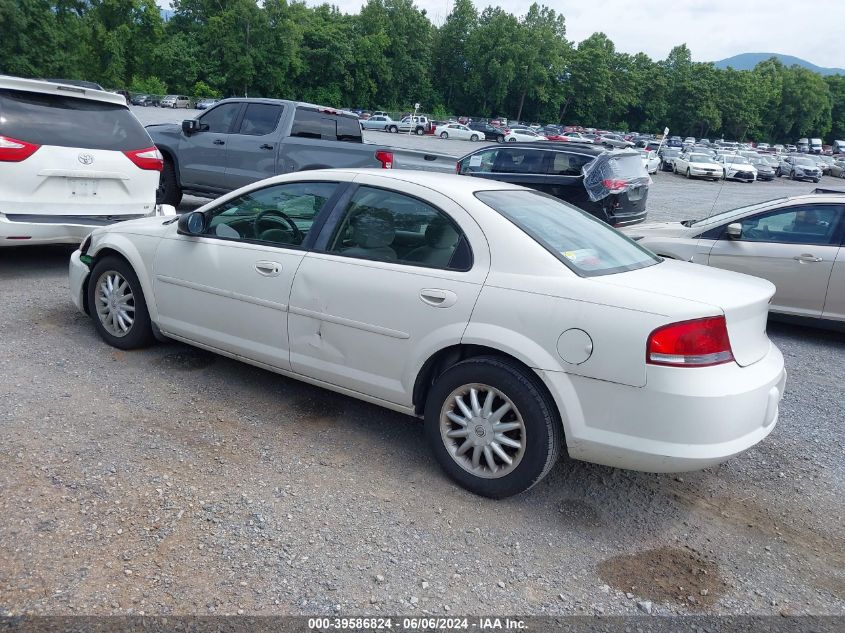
(834,307)
(801,283)
(231,295)
(364,325)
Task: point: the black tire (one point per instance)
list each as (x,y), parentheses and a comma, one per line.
(511,140)
(140,333)
(816,180)
(420,131)
(168,191)
(393,129)
(543,430)
(501,139)
(689,174)
(444,135)
(474,137)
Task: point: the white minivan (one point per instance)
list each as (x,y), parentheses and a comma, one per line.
(71,159)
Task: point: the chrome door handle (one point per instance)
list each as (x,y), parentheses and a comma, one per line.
(807,257)
(438,298)
(268,269)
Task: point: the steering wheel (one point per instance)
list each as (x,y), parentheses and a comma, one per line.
(256,223)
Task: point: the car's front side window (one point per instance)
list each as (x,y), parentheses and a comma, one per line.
(809,224)
(280,214)
(219,119)
(389,226)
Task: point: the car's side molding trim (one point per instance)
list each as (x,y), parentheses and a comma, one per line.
(223,293)
(358,325)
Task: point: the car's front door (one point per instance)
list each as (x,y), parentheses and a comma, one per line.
(253,146)
(392,280)
(203,154)
(793,247)
(229,288)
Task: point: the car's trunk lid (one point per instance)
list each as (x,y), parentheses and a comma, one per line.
(744,300)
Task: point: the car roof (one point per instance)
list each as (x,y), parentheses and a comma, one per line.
(66,90)
(579,148)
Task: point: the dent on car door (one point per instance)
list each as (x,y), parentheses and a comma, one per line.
(793,247)
(393,279)
(229,287)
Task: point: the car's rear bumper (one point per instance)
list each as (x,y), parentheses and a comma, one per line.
(22,229)
(683,419)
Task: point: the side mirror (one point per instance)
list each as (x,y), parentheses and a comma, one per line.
(192,223)
(734,230)
(189,126)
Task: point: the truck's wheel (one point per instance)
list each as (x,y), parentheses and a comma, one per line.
(168,191)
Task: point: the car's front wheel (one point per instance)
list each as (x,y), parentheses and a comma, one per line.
(444,135)
(492,427)
(500,139)
(393,129)
(117,304)
(474,137)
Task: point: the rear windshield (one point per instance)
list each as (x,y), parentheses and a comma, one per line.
(49,119)
(584,244)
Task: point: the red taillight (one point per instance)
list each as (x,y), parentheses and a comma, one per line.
(385,158)
(14,151)
(149,158)
(698,343)
(458,168)
(613,184)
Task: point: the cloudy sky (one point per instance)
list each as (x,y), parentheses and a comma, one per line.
(713,29)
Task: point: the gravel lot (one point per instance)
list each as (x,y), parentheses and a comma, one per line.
(172,481)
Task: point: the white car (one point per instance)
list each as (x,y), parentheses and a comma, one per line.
(71,159)
(175,101)
(736,167)
(458,131)
(523,135)
(650,160)
(796,243)
(509,320)
(577,137)
(693,165)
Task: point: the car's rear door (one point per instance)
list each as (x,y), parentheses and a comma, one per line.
(393,279)
(252,146)
(794,247)
(203,154)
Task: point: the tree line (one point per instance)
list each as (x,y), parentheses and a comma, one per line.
(390,55)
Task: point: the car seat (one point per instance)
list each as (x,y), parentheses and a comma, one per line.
(373,231)
(440,240)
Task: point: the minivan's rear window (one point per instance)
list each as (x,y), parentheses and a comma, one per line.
(49,119)
(584,244)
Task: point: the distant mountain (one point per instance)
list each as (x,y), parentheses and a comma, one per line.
(747,61)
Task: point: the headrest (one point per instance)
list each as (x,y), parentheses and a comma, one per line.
(372,228)
(441,234)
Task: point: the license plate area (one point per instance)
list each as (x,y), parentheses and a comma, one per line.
(82,187)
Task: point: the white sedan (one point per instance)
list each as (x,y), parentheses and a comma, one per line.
(458,131)
(650,160)
(736,167)
(523,135)
(513,323)
(693,165)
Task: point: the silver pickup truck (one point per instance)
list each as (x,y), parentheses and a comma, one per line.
(239,141)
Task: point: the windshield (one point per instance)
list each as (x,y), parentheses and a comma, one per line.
(700,158)
(736,160)
(727,215)
(584,244)
(804,162)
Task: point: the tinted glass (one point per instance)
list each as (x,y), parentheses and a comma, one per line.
(584,244)
(389,226)
(519,161)
(348,129)
(568,164)
(280,214)
(219,119)
(46,119)
(260,119)
(814,224)
(307,124)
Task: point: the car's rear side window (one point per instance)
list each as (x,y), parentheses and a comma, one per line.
(50,119)
(313,123)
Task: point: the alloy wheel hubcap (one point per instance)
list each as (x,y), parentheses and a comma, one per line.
(115,303)
(482,430)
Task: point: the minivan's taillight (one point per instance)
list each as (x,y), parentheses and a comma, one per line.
(14,151)
(697,343)
(385,158)
(148,158)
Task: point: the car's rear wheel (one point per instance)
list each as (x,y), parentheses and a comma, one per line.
(117,304)
(168,191)
(444,135)
(492,427)
(511,140)
(500,138)
(393,129)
